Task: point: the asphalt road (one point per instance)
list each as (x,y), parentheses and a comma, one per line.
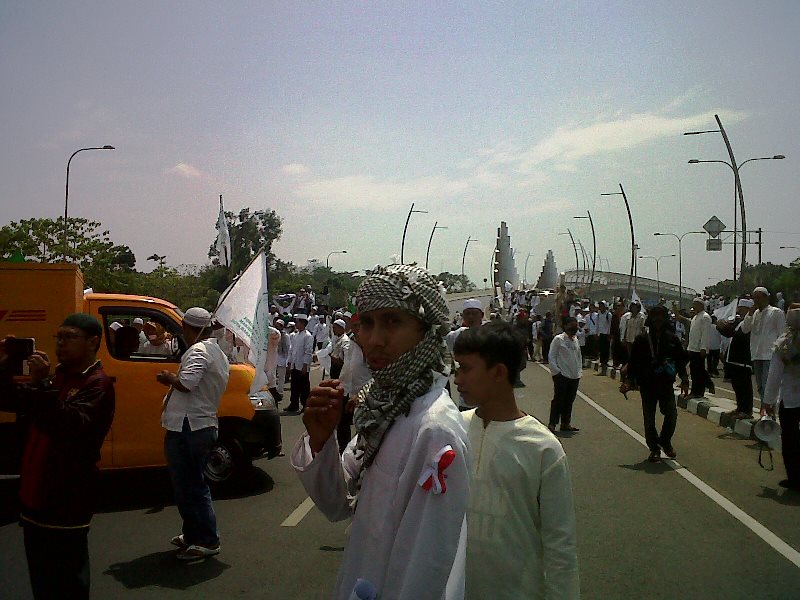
(644,531)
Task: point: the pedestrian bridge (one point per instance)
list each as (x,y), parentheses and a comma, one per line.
(608,285)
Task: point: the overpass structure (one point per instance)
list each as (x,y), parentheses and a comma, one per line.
(608,285)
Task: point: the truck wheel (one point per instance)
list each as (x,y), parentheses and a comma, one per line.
(226,461)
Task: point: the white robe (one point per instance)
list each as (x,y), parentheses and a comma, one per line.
(521,536)
(408,542)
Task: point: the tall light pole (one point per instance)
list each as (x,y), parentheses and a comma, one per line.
(428,252)
(66,190)
(738,190)
(658,275)
(621,192)
(464,258)
(584,262)
(594,251)
(405,229)
(575,248)
(789,247)
(525,276)
(328,260)
(680,260)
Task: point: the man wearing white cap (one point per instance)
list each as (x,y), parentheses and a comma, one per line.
(738,365)
(471,316)
(138,325)
(189,415)
(765,324)
(300,364)
(699,329)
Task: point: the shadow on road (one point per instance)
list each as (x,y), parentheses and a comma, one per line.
(786,497)
(657,468)
(163,569)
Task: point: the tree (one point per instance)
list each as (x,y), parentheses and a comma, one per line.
(455,283)
(250,233)
(41,240)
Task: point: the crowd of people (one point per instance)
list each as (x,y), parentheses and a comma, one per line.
(452,489)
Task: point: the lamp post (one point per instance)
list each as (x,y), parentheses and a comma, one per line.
(405,229)
(658,275)
(621,192)
(66,190)
(525,276)
(680,260)
(428,252)
(738,190)
(464,258)
(789,247)
(594,251)
(328,260)
(584,262)
(575,248)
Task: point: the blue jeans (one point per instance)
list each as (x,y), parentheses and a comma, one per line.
(186,457)
(761,371)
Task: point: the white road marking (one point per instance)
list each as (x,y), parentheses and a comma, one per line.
(737,513)
(298,513)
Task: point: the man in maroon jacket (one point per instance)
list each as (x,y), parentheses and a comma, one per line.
(66,417)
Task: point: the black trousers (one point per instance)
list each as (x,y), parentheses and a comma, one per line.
(564,392)
(712,358)
(604,349)
(618,352)
(663,397)
(790,442)
(546,348)
(697,368)
(301,389)
(742,384)
(591,346)
(58,561)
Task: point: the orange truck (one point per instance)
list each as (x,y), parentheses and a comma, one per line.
(34,300)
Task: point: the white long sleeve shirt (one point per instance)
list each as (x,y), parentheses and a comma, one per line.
(301,350)
(204,371)
(603,322)
(521,539)
(699,331)
(765,325)
(407,541)
(565,357)
(783,383)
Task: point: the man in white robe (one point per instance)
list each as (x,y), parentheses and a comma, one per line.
(403,478)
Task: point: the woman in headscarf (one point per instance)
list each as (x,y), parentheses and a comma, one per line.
(784,383)
(403,477)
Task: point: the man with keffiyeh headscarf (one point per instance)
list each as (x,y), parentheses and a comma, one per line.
(403,478)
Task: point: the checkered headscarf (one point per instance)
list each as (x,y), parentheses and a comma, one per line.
(393,389)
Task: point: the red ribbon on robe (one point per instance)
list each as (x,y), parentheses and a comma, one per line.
(433,477)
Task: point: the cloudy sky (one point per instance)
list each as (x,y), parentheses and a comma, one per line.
(339,115)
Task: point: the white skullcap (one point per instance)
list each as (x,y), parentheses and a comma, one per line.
(761,290)
(746,302)
(473,303)
(138,321)
(340,323)
(300,317)
(197,317)
(115,325)
(347,314)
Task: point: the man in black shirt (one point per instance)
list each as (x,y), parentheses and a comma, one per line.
(657,356)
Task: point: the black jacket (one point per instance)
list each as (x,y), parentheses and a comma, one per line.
(646,370)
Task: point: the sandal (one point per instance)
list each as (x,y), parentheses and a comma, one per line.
(655,456)
(195,551)
(179,542)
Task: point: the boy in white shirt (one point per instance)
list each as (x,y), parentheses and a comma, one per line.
(521,521)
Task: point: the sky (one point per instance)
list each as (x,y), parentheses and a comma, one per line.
(340,115)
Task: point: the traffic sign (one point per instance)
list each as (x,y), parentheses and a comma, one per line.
(714,227)
(713,245)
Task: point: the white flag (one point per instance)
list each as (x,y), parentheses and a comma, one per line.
(244,310)
(223,237)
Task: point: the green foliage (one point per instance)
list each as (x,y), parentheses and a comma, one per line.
(456,283)
(776,278)
(250,233)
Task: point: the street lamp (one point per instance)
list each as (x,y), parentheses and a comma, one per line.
(584,262)
(66,190)
(428,253)
(738,190)
(594,251)
(525,276)
(408,218)
(328,260)
(658,276)
(464,258)
(680,260)
(575,248)
(787,247)
(621,192)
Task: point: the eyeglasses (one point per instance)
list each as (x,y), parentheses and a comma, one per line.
(67,337)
